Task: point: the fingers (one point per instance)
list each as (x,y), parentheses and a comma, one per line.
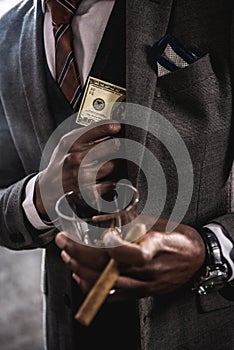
(134,254)
(103,150)
(127,253)
(96,133)
(84,285)
(132,287)
(82,271)
(159,263)
(90,175)
(94,173)
(92,154)
(90,170)
(107,169)
(90,257)
(129,288)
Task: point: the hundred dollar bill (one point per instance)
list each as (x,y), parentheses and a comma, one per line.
(98,101)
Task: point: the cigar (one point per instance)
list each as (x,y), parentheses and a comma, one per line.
(105,282)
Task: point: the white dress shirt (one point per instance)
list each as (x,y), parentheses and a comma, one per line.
(88,27)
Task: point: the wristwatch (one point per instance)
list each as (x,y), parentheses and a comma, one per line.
(216,272)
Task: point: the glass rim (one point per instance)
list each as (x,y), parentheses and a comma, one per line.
(134,201)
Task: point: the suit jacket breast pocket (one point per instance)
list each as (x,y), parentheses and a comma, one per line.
(197,102)
(192,96)
(195,98)
(187,77)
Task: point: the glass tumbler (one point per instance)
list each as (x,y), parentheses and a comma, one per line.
(86,220)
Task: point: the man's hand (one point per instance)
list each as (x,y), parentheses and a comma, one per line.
(66,163)
(160,263)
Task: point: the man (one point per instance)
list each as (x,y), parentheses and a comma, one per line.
(195,96)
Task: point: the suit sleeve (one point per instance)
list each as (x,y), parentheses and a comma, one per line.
(15,230)
(227,221)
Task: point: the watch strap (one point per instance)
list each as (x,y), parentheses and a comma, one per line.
(213,249)
(215,269)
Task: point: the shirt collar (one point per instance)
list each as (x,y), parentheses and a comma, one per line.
(43,6)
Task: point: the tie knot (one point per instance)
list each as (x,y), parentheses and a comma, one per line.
(62,11)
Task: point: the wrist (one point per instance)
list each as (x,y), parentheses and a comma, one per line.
(38,202)
(214,273)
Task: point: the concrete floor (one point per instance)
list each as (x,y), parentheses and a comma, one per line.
(20,300)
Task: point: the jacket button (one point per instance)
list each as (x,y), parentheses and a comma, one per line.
(67,300)
(17,238)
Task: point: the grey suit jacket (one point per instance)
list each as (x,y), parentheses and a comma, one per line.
(196,100)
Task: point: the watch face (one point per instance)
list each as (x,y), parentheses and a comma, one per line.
(214,280)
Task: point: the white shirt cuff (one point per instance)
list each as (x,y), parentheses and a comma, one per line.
(30,209)
(225,244)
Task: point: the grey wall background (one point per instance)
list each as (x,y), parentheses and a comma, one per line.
(20,300)
(20,295)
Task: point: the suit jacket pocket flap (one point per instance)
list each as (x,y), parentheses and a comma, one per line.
(212,302)
(188,76)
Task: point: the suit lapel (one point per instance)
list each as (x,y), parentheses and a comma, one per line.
(147,22)
(32,61)
(141,78)
(109,64)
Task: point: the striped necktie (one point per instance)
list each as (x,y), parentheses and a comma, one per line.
(67,76)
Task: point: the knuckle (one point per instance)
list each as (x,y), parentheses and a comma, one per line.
(72,162)
(69,141)
(106,168)
(79,158)
(114,127)
(64,141)
(110,166)
(74,158)
(110,128)
(69,159)
(144,257)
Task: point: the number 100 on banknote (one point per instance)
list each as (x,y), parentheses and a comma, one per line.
(98,101)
